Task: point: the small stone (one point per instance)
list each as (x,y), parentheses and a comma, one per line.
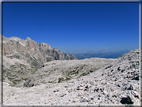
(126,100)
(122,70)
(96,90)
(86,89)
(135,94)
(114,96)
(101,89)
(86,86)
(73,101)
(118,85)
(136,78)
(84,99)
(108,95)
(130,88)
(79,88)
(118,68)
(99,95)
(62,95)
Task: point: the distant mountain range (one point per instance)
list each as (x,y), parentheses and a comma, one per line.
(100,54)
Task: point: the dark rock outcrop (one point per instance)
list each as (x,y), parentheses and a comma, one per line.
(126,100)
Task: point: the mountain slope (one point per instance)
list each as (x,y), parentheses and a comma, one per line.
(62,71)
(18,72)
(116,83)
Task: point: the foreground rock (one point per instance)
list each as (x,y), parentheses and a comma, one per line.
(117,83)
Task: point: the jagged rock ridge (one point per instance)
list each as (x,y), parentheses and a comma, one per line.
(32,52)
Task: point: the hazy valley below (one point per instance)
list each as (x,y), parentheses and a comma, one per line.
(101,54)
(36,74)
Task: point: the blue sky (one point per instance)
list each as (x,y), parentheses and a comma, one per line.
(75,27)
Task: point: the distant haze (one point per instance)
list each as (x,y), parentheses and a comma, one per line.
(75,27)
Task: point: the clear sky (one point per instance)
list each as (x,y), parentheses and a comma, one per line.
(75,27)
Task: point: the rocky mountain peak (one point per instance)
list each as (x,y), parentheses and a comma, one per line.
(3,37)
(55,49)
(44,46)
(31,51)
(28,39)
(15,38)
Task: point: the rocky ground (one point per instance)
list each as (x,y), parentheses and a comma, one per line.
(63,71)
(80,82)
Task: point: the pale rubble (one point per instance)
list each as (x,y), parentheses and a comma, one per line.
(116,83)
(59,71)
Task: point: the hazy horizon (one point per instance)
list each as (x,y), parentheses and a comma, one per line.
(82,51)
(75,27)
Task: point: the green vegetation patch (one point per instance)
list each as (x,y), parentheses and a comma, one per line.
(63,79)
(84,74)
(60,80)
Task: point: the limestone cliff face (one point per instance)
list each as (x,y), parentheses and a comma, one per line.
(31,51)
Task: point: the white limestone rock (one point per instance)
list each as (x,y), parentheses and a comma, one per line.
(116,83)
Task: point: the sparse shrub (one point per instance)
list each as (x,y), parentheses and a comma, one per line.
(25,79)
(50,81)
(67,78)
(56,91)
(60,79)
(85,73)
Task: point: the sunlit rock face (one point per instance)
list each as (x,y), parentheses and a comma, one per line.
(31,51)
